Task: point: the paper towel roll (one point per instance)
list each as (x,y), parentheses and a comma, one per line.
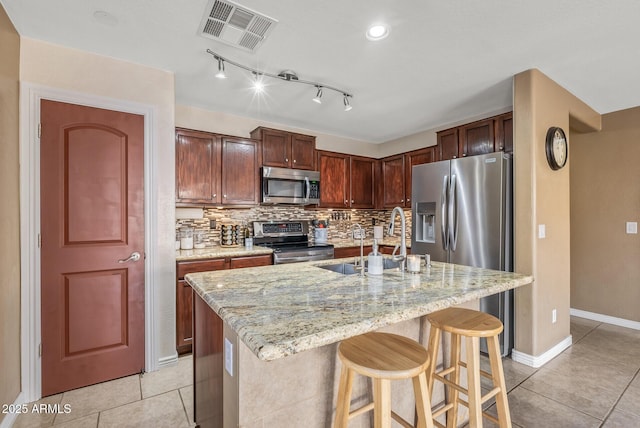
(378,232)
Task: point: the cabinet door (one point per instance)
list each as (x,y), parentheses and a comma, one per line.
(303,152)
(184,309)
(240,171)
(251,261)
(477,138)
(197,165)
(334,170)
(504,132)
(448,144)
(361,182)
(276,148)
(393,181)
(418,157)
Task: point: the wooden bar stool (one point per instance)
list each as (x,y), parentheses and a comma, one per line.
(383,357)
(472,325)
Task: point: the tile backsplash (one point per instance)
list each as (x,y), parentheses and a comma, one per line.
(340,221)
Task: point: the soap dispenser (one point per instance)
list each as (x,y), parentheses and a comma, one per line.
(375,260)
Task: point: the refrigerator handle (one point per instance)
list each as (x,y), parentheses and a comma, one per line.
(453,213)
(443,213)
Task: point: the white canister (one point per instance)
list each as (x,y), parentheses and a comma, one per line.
(413,263)
(374,264)
(320,235)
(378,232)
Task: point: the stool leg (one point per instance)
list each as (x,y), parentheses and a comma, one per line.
(473,376)
(423,401)
(497,374)
(344,398)
(381,403)
(452,393)
(434,344)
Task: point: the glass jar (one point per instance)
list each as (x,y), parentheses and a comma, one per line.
(186,238)
(198,239)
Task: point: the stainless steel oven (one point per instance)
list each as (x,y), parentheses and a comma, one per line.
(290,186)
(290,241)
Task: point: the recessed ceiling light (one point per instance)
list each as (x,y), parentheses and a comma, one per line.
(377,32)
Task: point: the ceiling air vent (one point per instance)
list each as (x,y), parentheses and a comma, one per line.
(236,25)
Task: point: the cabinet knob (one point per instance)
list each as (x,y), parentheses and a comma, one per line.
(224,196)
(346,202)
(501,148)
(464,154)
(352,201)
(286,159)
(408,199)
(294,161)
(214,195)
(401,200)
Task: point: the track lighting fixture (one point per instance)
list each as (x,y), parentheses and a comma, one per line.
(287,76)
(347,105)
(220,74)
(318,97)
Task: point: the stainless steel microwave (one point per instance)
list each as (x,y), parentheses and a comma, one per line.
(290,186)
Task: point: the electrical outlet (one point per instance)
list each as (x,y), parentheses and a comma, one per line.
(554,316)
(542,231)
(357,234)
(228,356)
(632,227)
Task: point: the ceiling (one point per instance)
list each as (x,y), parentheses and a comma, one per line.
(443,62)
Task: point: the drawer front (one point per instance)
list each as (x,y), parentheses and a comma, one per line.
(251,261)
(184,268)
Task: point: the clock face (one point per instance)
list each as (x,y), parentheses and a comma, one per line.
(556,148)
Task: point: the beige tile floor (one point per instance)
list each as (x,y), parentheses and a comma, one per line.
(594,383)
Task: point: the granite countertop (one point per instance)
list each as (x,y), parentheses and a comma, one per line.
(282,310)
(219,251)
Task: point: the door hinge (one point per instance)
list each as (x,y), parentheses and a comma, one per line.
(40,350)
(39,240)
(39,130)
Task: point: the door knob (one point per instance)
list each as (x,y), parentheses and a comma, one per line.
(134,257)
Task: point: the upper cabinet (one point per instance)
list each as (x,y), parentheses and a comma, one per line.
(346,181)
(484,136)
(213,169)
(396,176)
(286,149)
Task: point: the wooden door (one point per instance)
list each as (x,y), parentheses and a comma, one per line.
(92,216)
(504,132)
(362,179)
(393,179)
(197,167)
(477,138)
(334,175)
(276,148)
(448,144)
(240,171)
(303,152)
(417,157)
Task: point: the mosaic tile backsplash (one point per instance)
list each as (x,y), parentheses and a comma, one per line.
(340,221)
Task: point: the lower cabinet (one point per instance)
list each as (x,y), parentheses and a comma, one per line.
(184,292)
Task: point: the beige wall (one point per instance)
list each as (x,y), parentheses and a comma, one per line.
(605,194)
(542,197)
(9,214)
(67,69)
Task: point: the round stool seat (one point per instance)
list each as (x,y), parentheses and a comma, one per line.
(466,322)
(384,355)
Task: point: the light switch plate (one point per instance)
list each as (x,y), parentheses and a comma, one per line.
(632,227)
(542,231)
(228,356)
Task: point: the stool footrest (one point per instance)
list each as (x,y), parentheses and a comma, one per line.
(441,410)
(482,372)
(360,410)
(401,421)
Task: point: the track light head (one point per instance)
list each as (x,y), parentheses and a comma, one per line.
(221,74)
(258,85)
(347,105)
(318,97)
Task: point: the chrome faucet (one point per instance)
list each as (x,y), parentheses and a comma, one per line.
(403,239)
(353,228)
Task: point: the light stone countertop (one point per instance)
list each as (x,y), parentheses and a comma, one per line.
(219,251)
(282,310)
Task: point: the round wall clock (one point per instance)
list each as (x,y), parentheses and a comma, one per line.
(556,147)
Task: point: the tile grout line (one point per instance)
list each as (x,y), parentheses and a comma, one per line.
(619,398)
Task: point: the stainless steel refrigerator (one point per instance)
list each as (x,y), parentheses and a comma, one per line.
(462,212)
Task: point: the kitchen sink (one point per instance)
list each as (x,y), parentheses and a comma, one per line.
(350,268)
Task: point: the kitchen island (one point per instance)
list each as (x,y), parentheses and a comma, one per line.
(266,337)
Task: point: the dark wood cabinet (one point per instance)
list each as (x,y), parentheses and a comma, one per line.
(346,181)
(477,138)
(286,149)
(214,169)
(393,181)
(184,292)
(396,176)
(198,160)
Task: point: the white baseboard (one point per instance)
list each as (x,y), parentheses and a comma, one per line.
(167,361)
(10,418)
(605,318)
(540,360)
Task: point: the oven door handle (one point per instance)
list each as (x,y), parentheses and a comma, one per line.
(306,258)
